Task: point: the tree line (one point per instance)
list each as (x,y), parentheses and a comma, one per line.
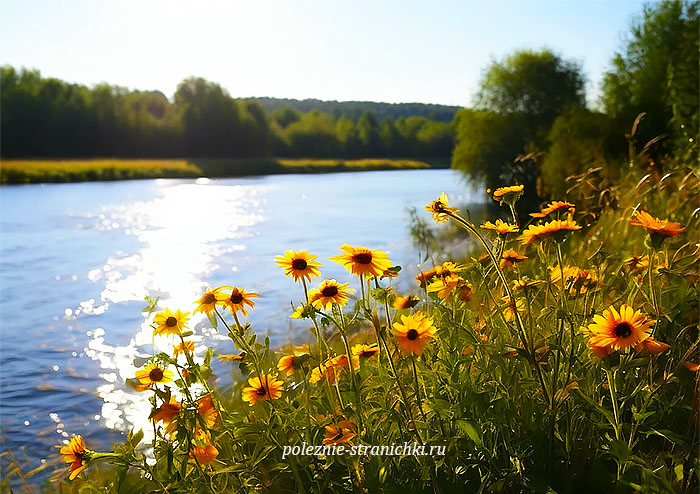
(47,117)
(531,125)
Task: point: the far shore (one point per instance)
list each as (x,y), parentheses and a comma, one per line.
(106,169)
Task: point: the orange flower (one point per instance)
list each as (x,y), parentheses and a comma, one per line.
(508,194)
(299,265)
(637,263)
(509,311)
(440,208)
(167,413)
(288,364)
(207,410)
(363,261)
(207,302)
(365,351)
(183,347)
(510,258)
(553,207)
(76,454)
(445,285)
(619,330)
(339,434)
(265,389)
(651,346)
(656,226)
(332,368)
(426,276)
(407,302)
(538,232)
(413,332)
(239,299)
(501,227)
(692,366)
(204,454)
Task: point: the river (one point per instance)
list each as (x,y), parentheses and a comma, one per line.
(77,261)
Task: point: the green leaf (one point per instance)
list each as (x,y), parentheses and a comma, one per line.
(470,431)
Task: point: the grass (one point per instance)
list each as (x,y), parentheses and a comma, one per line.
(34,171)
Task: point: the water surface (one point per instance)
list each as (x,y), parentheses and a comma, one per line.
(77,261)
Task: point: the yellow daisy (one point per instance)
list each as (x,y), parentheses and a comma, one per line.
(363,261)
(170,322)
(238,300)
(328,293)
(298,264)
(440,208)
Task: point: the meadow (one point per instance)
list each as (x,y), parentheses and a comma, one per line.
(560,356)
(35,171)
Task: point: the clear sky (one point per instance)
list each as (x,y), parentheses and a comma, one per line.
(377,50)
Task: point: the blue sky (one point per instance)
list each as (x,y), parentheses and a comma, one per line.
(393,51)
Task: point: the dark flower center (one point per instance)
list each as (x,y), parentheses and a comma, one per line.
(209,298)
(622,330)
(261,391)
(329,291)
(236,298)
(338,436)
(155,375)
(294,362)
(412,334)
(362,258)
(299,264)
(171,322)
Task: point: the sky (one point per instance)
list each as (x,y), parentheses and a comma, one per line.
(382,50)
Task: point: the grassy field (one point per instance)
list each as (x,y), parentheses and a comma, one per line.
(34,171)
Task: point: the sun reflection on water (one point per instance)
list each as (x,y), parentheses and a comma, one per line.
(180,234)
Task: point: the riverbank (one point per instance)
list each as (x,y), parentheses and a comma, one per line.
(52,171)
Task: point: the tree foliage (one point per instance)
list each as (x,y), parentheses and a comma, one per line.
(657,73)
(50,118)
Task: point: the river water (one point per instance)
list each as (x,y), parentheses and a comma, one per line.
(77,261)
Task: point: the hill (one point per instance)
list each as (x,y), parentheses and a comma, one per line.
(354,109)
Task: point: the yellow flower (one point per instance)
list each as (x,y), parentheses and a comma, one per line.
(238,299)
(262,389)
(204,454)
(339,434)
(183,347)
(153,374)
(510,258)
(208,301)
(445,285)
(508,194)
(656,226)
(538,232)
(362,350)
(298,264)
(233,357)
(332,368)
(328,293)
(618,330)
(170,322)
(413,332)
(553,207)
(407,302)
(288,364)
(501,227)
(578,280)
(637,263)
(363,261)
(509,311)
(440,208)
(76,454)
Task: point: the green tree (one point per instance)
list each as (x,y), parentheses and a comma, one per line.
(657,73)
(519,99)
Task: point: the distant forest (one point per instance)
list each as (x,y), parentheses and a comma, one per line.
(355,109)
(49,118)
